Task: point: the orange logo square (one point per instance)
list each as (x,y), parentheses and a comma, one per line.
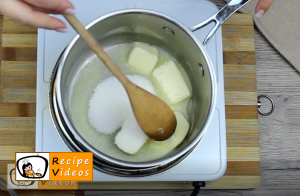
(71,166)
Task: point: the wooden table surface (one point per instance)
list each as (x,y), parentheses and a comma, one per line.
(279,133)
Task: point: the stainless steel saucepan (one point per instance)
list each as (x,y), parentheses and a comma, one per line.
(126,26)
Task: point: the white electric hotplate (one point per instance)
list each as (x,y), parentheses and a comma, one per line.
(209,160)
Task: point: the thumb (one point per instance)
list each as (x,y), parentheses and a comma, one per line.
(262,7)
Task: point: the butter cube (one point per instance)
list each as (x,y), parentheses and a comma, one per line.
(143,58)
(171,82)
(180,131)
(131,137)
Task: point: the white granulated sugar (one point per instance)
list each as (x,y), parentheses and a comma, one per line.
(109,106)
(131,137)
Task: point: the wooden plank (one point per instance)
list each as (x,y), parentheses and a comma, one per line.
(19,40)
(241,112)
(240,20)
(242,133)
(46,193)
(7,152)
(237,39)
(235,182)
(1,29)
(18,95)
(18,82)
(252,192)
(239,57)
(19,54)
(4,193)
(18,75)
(17,135)
(10,27)
(240,98)
(226,182)
(240,78)
(8,124)
(238,71)
(243,154)
(17,109)
(244,168)
(3,167)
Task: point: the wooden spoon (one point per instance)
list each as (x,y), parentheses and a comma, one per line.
(154,116)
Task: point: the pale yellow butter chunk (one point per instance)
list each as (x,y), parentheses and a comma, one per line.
(180,132)
(171,82)
(143,57)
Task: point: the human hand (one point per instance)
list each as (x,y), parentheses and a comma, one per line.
(262,7)
(35,12)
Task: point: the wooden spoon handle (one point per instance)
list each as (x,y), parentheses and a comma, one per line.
(94,45)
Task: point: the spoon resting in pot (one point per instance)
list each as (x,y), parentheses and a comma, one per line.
(154,116)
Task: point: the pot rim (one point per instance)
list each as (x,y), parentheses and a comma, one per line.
(121,163)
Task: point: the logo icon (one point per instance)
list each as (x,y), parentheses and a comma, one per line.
(32,166)
(13,184)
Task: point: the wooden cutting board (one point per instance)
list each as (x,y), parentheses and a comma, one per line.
(18,92)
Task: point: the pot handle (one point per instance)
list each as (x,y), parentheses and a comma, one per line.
(219,18)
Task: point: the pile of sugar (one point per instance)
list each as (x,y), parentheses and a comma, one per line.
(109,105)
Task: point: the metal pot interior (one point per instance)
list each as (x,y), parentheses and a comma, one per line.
(149,27)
